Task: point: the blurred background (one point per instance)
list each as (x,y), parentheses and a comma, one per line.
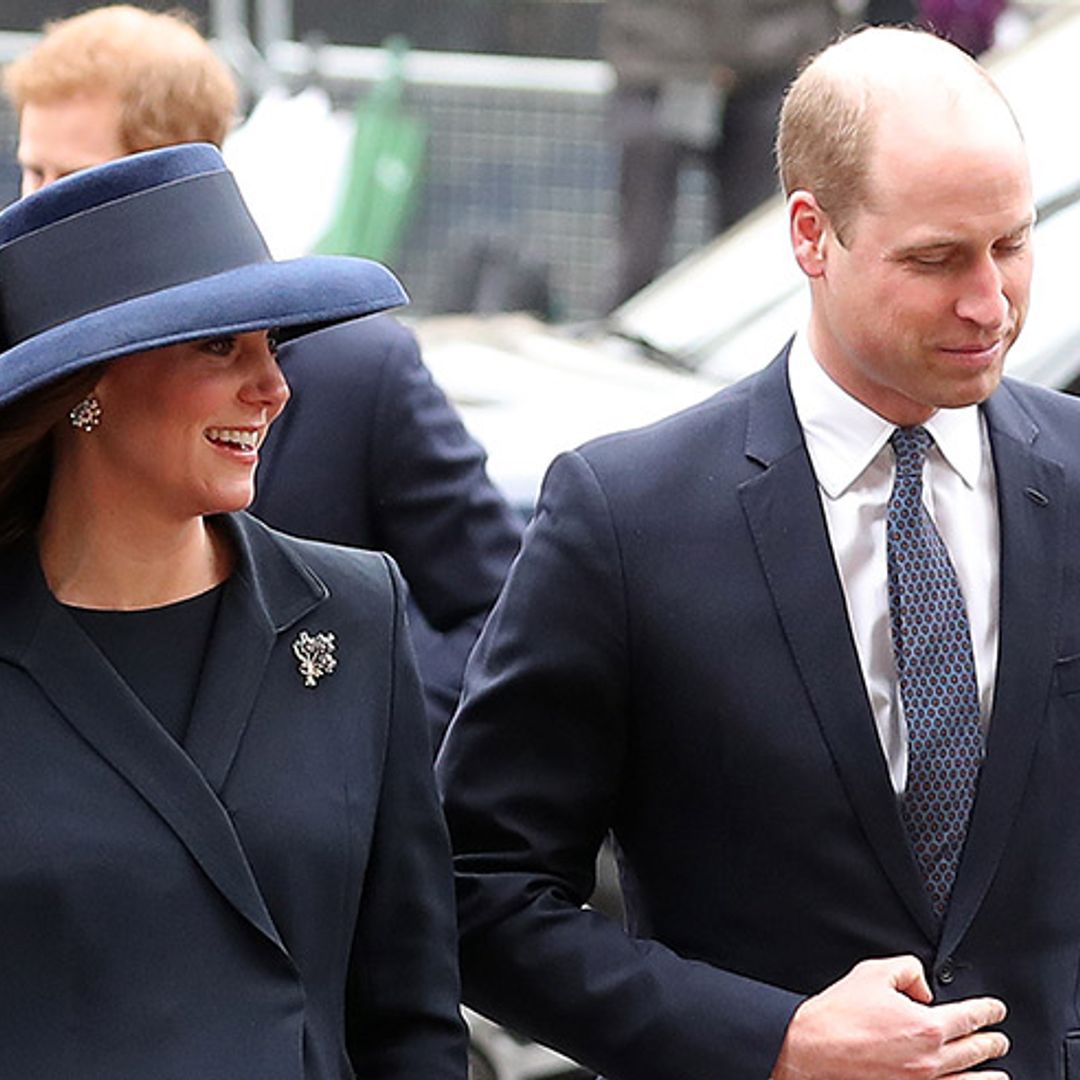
(514,172)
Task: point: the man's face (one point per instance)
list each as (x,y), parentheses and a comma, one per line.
(61,137)
(918,308)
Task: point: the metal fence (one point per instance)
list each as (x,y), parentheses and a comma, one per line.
(519,164)
(9,170)
(520,171)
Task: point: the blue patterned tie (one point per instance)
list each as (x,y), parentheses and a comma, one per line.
(936,671)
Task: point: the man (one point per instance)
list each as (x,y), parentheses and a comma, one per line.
(369,453)
(695,651)
(704,79)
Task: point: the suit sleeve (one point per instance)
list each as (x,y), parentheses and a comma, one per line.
(451,532)
(403,1020)
(532,773)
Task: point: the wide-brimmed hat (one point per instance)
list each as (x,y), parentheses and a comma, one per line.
(151,250)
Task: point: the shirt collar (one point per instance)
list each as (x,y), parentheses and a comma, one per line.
(843,436)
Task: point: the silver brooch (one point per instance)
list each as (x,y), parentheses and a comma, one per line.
(315,652)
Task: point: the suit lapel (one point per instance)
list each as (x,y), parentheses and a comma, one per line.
(786,520)
(1031,502)
(41,637)
(785,516)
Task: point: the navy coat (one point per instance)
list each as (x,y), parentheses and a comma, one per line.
(369,453)
(672,659)
(270,901)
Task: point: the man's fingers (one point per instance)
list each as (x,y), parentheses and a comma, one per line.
(963,1054)
(961,1018)
(909,977)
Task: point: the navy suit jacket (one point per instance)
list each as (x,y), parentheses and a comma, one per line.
(671,659)
(369,453)
(270,901)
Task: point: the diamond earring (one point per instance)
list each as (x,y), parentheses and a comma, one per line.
(87,414)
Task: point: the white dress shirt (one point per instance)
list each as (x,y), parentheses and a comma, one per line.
(854,465)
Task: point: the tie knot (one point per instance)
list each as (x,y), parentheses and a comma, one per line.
(910,445)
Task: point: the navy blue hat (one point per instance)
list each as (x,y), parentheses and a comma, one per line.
(147,251)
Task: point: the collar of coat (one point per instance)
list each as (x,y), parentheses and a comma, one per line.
(281,588)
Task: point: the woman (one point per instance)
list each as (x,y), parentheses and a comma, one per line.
(222,855)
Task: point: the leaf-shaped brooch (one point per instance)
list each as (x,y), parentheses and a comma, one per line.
(315,654)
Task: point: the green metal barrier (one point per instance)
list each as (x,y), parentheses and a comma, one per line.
(384,170)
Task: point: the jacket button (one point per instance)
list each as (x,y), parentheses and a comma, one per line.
(946,972)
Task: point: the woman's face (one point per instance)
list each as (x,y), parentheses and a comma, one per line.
(181,427)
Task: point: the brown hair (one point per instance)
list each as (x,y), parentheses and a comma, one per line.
(171,84)
(26,439)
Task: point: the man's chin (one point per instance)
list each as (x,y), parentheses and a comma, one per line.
(974,391)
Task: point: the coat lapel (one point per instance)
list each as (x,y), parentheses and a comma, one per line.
(41,637)
(785,516)
(267,592)
(1031,505)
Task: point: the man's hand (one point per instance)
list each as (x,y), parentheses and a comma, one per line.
(878,1023)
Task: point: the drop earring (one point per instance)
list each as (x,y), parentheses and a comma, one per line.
(87,414)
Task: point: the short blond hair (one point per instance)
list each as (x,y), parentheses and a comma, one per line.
(823,144)
(829,116)
(171,85)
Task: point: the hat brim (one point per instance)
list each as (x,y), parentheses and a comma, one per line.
(314,290)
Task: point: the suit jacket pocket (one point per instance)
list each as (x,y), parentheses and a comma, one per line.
(1067,674)
(1072,1055)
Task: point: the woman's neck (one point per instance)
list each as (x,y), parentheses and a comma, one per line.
(111,562)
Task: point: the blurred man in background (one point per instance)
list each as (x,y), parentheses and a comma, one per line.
(698,80)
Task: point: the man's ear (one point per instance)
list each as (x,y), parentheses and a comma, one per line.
(809,226)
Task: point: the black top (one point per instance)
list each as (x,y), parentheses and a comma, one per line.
(158,652)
